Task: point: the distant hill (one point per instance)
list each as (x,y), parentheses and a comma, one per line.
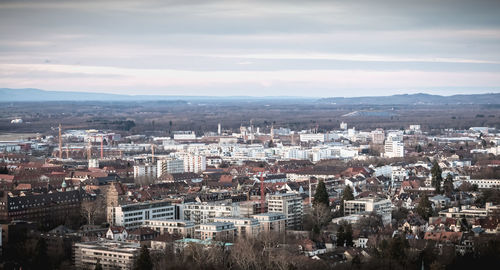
(416,99)
(30,94)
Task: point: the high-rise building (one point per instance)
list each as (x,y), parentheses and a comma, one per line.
(195,163)
(169,166)
(378,136)
(145,171)
(394,146)
(289,204)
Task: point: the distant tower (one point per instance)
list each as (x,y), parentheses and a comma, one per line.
(64,186)
(152,153)
(219,129)
(343,126)
(102,147)
(272,132)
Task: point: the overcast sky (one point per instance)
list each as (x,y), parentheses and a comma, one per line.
(257,48)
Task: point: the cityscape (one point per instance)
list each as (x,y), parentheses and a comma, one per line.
(267,135)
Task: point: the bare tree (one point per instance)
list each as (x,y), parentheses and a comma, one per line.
(93,209)
(245,254)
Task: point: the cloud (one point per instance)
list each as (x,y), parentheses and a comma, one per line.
(271,45)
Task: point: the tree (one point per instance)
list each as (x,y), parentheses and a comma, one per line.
(424,208)
(321,195)
(346,196)
(340,236)
(319,215)
(92,209)
(448,185)
(348,236)
(437,177)
(143,262)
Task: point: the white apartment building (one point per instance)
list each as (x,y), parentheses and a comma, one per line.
(186,228)
(382,207)
(470,212)
(245,227)
(271,222)
(195,163)
(484,183)
(169,166)
(312,137)
(200,213)
(184,135)
(110,254)
(289,204)
(145,171)
(134,215)
(394,146)
(220,231)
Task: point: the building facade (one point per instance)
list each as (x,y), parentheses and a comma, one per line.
(289,204)
(134,215)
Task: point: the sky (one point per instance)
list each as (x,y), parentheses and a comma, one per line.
(314,48)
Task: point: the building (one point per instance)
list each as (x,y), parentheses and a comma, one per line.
(245,227)
(484,183)
(378,136)
(169,166)
(204,212)
(394,146)
(289,204)
(382,207)
(271,222)
(117,233)
(145,171)
(49,209)
(134,215)
(312,137)
(195,163)
(110,254)
(250,208)
(219,231)
(184,135)
(185,228)
(470,212)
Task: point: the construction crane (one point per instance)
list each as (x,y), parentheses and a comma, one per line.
(60,142)
(262,194)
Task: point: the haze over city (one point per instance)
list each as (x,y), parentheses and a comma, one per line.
(252,48)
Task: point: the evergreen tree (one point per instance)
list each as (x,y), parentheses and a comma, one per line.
(437,177)
(348,236)
(321,195)
(424,208)
(448,185)
(340,236)
(346,196)
(143,262)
